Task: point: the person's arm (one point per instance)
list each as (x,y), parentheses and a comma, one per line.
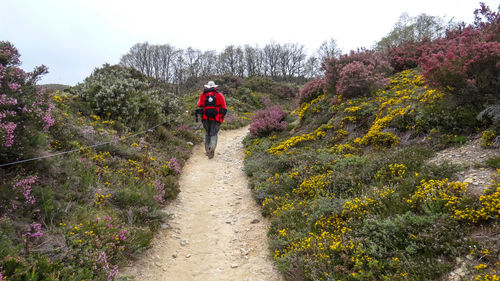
(222,101)
(201,100)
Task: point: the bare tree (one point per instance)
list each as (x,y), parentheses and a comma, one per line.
(192,59)
(208,63)
(312,67)
(251,60)
(271,58)
(137,58)
(167,54)
(328,49)
(239,57)
(228,61)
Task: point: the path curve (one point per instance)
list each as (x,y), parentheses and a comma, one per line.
(217,231)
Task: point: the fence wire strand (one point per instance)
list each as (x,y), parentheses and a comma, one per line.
(150,130)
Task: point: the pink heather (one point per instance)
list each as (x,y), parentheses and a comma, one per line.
(9,128)
(174,165)
(25,186)
(34,232)
(14,86)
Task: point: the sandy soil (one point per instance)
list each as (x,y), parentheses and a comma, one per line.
(217,231)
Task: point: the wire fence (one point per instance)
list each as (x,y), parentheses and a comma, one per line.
(150,130)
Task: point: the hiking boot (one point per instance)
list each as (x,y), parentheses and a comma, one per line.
(211,153)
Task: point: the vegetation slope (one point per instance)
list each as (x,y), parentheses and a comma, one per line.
(347,182)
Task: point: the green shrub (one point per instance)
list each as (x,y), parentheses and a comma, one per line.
(125,95)
(493,162)
(448,117)
(415,244)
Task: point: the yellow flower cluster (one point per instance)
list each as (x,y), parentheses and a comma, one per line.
(375,134)
(438,190)
(279,204)
(329,239)
(101,157)
(306,106)
(343,149)
(393,171)
(404,89)
(100,198)
(352,109)
(487,138)
(359,207)
(487,277)
(274,179)
(339,134)
(452,194)
(62,97)
(490,201)
(313,186)
(291,142)
(480,266)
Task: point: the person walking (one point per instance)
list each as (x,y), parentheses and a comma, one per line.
(214,108)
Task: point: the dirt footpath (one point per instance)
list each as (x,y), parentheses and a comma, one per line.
(217,231)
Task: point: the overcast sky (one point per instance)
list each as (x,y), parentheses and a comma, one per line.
(72,37)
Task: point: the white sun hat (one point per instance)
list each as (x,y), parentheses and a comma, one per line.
(210,84)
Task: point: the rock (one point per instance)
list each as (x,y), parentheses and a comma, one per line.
(254,221)
(188,256)
(189,143)
(184,242)
(234,265)
(174,255)
(468,180)
(158,264)
(165,226)
(243,251)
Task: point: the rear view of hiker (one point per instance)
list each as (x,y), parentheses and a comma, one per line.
(214,109)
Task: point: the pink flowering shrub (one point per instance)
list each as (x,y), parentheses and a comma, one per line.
(18,195)
(357,79)
(406,55)
(160,189)
(268,120)
(25,110)
(287,92)
(312,90)
(34,232)
(23,186)
(467,61)
(174,165)
(369,66)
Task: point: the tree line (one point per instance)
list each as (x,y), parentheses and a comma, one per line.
(282,62)
(286,62)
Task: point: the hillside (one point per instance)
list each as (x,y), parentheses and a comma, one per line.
(355,190)
(389,167)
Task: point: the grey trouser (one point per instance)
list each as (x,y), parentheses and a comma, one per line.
(211,128)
